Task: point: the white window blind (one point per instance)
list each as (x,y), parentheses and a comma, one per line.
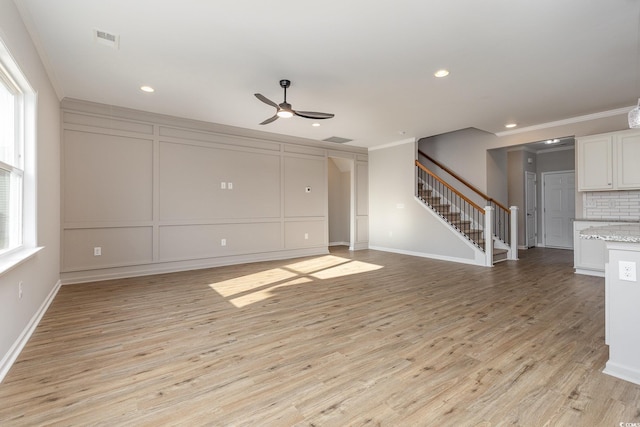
(11,163)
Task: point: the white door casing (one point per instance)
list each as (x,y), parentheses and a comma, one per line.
(530,209)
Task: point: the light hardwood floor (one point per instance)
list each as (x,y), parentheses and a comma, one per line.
(363,338)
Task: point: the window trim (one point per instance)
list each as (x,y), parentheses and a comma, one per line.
(24,158)
(14,258)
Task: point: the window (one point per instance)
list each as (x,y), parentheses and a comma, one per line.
(11,161)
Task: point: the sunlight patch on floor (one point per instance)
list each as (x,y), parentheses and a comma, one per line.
(242,284)
(347,269)
(260,286)
(263,294)
(309,266)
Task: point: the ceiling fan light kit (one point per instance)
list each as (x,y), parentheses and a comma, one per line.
(284,114)
(284,109)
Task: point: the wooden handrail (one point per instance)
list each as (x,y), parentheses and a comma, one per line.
(462,180)
(462,196)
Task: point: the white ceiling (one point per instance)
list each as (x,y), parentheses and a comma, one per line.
(371,62)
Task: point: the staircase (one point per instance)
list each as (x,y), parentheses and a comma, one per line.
(468,218)
(453,218)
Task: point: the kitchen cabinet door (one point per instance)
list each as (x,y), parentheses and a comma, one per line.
(628,161)
(595,163)
(589,255)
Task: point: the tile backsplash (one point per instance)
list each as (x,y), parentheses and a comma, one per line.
(612,205)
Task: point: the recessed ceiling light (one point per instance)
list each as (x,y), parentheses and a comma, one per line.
(315,125)
(552,141)
(510,125)
(441,73)
(147,89)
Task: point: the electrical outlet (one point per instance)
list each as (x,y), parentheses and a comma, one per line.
(19,290)
(223,242)
(627,271)
(97,251)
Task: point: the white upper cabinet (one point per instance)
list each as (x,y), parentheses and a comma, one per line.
(628,164)
(608,161)
(595,163)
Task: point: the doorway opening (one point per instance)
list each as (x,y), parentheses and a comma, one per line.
(341,204)
(507,173)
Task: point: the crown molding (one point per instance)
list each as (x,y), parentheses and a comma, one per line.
(572,120)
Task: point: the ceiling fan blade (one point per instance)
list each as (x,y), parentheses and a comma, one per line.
(266,100)
(270,119)
(313,115)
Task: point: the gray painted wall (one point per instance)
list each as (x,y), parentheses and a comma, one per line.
(519,162)
(40,274)
(556,160)
(399,222)
(464,147)
(497,182)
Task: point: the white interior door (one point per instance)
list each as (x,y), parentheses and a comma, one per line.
(559,208)
(530,209)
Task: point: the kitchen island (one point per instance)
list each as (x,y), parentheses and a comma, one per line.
(589,255)
(622,298)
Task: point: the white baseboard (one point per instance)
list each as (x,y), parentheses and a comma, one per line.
(359,246)
(84,276)
(13,353)
(586,272)
(623,372)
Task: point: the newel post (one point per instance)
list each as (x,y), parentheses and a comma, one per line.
(513,247)
(488,236)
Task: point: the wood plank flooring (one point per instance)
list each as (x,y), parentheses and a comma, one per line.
(347,339)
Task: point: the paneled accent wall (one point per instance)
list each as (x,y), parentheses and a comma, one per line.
(144,194)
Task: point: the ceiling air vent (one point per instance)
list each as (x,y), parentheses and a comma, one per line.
(337,139)
(105,38)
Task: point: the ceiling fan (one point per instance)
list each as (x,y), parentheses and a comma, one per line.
(284,109)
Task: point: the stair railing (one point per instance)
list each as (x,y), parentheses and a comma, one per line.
(469,212)
(501,216)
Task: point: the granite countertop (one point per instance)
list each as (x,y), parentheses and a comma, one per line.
(606,220)
(629,233)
